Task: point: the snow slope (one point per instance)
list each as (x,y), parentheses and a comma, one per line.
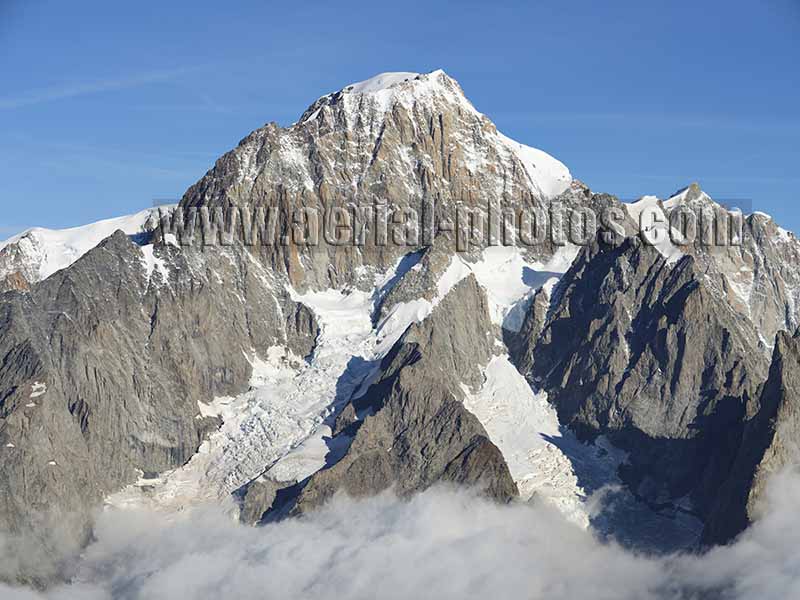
(510,280)
(653,223)
(550,175)
(520,423)
(380,82)
(39,252)
(550,465)
(287,405)
(282,424)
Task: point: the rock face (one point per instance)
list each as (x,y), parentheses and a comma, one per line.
(416,430)
(643,352)
(760,277)
(771,441)
(410,429)
(14,281)
(664,352)
(103,365)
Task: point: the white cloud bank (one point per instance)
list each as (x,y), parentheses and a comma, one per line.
(441,544)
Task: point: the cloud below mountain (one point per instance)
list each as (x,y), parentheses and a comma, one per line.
(440,544)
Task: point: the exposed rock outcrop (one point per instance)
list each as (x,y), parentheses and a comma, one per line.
(645,352)
(771,441)
(103,365)
(14,281)
(411,429)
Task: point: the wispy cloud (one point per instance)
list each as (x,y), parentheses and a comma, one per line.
(73,90)
(204,103)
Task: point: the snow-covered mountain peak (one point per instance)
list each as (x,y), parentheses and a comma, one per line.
(37,253)
(694,196)
(411,85)
(399,136)
(380,82)
(405,82)
(383,91)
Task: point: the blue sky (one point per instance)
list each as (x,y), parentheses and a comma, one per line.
(106,106)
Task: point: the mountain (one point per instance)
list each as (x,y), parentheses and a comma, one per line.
(399,137)
(37,253)
(140,368)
